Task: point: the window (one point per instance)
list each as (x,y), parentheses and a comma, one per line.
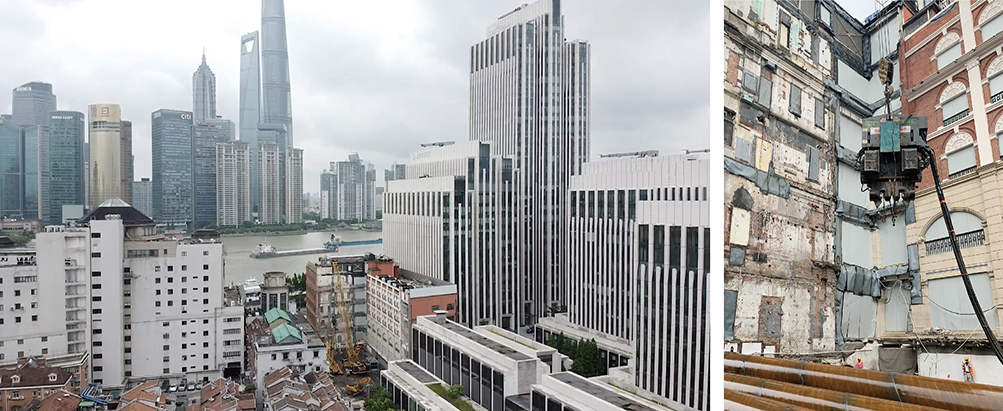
(765,94)
(996,87)
(205,267)
(784,36)
(95,255)
(157,280)
(95,235)
(95,286)
(95,273)
(34,318)
(969,229)
(955,109)
(795,102)
(158,291)
(170,279)
(184,267)
(992,27)
(205,253)
(167,347)
(17,319)
(449,306)
(170,268)
(158,305)
(949,55)
(96,311)
(825,16)
(819,113)
(435,308)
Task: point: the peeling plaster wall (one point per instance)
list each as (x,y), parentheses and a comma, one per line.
(782,259)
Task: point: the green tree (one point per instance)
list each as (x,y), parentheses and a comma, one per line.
(588,362)
(249,388)
(379,400)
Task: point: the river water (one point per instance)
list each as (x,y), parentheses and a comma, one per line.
(240,266)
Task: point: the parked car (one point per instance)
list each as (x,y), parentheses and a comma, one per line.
(174,388)
(191,386)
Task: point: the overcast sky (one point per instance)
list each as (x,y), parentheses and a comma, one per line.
(373,77)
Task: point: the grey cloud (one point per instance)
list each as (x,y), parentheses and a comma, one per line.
(650,63)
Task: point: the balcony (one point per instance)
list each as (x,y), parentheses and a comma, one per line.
(966,240)
(956,117)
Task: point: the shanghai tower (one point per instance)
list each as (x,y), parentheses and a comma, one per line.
(277,101)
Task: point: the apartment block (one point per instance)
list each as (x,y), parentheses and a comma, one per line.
(322,283)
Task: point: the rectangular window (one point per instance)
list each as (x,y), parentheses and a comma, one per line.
(955,109)
(795,106)
(996,85)
(819,113)
(765,97)
(95,255)
(992,27)
(813,162)
(961,162)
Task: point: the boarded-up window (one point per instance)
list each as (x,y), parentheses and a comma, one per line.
(729,126)
(819,113)
(856,247)
(743,149)
(950,307)
(897,303)
(813,163)
(795,106)
(961,162)
(859,316)
(948,56)
(893,241)
(765,92)
(730,303)
(749,81)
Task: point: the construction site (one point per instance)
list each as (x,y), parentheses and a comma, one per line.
(347,356)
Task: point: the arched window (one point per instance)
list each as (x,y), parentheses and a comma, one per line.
(954,102)
(960,150)
(948,49)
(968,229)
(990,21)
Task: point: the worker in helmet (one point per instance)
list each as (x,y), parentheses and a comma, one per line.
(966,367)
(860,363)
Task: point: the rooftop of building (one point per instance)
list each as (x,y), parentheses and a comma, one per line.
(61,400)
(496,346)
(600,392)
(291,329)
(416,371)
(31,373)
(224,395)
(409,280)
(286,390)
(130,216)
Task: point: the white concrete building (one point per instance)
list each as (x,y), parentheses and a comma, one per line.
(269,183)
(233,183)
(294,186)
(282,340)
(568,390)
(348,190)
(147,292)
(393,302)
(408,386)
(121,286)
(529,97)
(490,363)
(455,218)
(48,317)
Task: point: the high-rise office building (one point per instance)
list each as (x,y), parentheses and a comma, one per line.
(250,105)
(172,166)
(33,138)
(62,169)
(142,194)
(456,219)
(108,166)
(203,92)
(269,167)
(277,105)
(32,104)
(294,186)
(233,183)
(348,190)
(522,82)
(128,161)
(205,136)
(11,170)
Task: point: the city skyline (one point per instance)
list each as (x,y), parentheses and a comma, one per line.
(414,71)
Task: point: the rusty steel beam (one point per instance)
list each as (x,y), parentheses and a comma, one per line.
(912,389)
(740,401)
(813,398)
